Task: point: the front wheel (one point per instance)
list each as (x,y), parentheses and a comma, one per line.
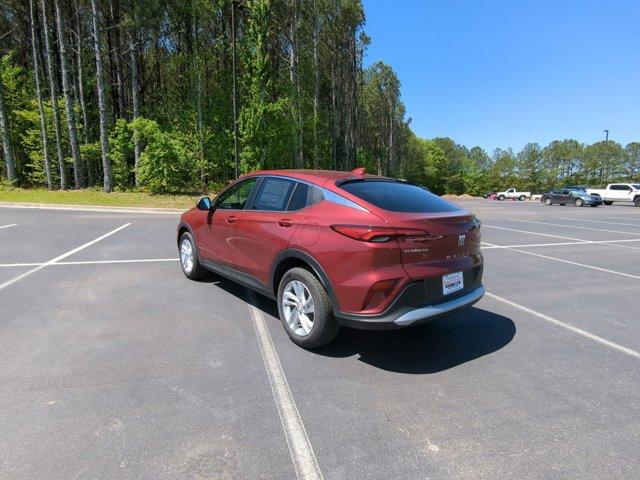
(578,202)
(636,201)
(305,309)
(189,258)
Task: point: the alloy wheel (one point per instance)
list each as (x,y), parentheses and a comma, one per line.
(298,307)
(186,255)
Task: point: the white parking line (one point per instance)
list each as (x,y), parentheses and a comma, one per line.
(93,262)
(302,455)
(574,226)
(7,226)
(577,240)
(60,257)
(579,331)
(628,275)
(484,225)
(601,221)
(556,244)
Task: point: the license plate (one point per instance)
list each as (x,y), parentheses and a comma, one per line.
(452,283)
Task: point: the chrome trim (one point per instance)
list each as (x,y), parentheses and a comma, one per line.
(439,309)
(334,197)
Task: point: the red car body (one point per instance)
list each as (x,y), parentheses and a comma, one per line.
(380,268)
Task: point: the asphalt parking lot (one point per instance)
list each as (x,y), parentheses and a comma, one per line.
(114,365)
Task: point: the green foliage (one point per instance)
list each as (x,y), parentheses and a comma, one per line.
(265,124)
(121,153)
(356,118)
(168,159)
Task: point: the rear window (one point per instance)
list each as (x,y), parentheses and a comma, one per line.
(398,197)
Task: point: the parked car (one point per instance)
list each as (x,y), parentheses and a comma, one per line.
(337,248)
(575,195)
(618,192)
(513,194)
(490,196)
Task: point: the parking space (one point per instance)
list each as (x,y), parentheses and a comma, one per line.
(113,365)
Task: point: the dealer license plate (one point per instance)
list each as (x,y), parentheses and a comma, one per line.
(452,283)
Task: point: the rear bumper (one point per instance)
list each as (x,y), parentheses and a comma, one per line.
(414,305)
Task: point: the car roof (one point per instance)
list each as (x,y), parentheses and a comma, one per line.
(319,177)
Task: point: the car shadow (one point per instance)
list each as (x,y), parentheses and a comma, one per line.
(430,348)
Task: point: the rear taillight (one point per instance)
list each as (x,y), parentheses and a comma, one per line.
(368,233)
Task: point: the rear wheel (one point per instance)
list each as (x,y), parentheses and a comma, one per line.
(500,197)
(548,201)
(305,309)
(607,202)
(636,201)
(578,202)
(522,198)
(189,258)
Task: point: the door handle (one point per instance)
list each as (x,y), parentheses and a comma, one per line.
(285,222)
(231,219)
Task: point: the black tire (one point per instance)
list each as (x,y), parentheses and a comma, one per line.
(197,271)
(325,327)
(500,197)
(522,198)
(607,202)
(636,201)
(594,206)
(578,202)
(548,201)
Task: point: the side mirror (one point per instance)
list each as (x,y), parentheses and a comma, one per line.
(204,203)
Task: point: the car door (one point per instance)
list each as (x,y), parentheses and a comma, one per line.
(216,234)
(624,192)
(556,196)
(566,196)
(265,228)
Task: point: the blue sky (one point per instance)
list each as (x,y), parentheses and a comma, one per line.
(501,74)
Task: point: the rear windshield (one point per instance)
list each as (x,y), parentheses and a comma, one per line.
(398,197)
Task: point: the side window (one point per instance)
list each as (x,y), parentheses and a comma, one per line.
(274,194)
(619,187)
(236,197)
(300,197)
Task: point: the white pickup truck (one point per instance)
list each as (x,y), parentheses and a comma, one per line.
(618,192)
(513,194)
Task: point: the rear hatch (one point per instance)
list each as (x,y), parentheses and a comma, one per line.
(435,236)
(441,244)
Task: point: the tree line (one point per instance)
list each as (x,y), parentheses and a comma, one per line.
(447,167)
(142,95)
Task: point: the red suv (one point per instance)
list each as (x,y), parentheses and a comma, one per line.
(337,248)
